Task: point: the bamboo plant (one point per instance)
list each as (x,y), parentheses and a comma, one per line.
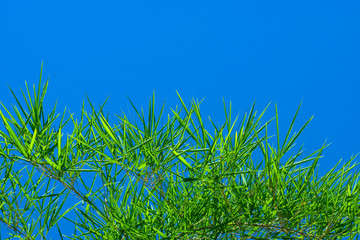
(146,179)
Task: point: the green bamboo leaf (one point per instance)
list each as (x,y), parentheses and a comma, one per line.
(51,163)
(59,142)
(142,166)
(189,179)
(32,142)
(184,124)
(160,233)
(181,159)
(13,136)
(107,127)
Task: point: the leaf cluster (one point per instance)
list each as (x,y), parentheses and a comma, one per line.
(147,179)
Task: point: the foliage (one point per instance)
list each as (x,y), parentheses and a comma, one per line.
(146,180)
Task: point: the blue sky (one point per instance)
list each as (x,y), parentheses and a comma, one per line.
(282,52)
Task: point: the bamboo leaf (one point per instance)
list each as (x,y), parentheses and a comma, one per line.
(59,142)
(32,142)
(13,136)
(182,159)
(107,127)
(51,163)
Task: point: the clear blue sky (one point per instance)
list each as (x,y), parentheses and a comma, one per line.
(278,51)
